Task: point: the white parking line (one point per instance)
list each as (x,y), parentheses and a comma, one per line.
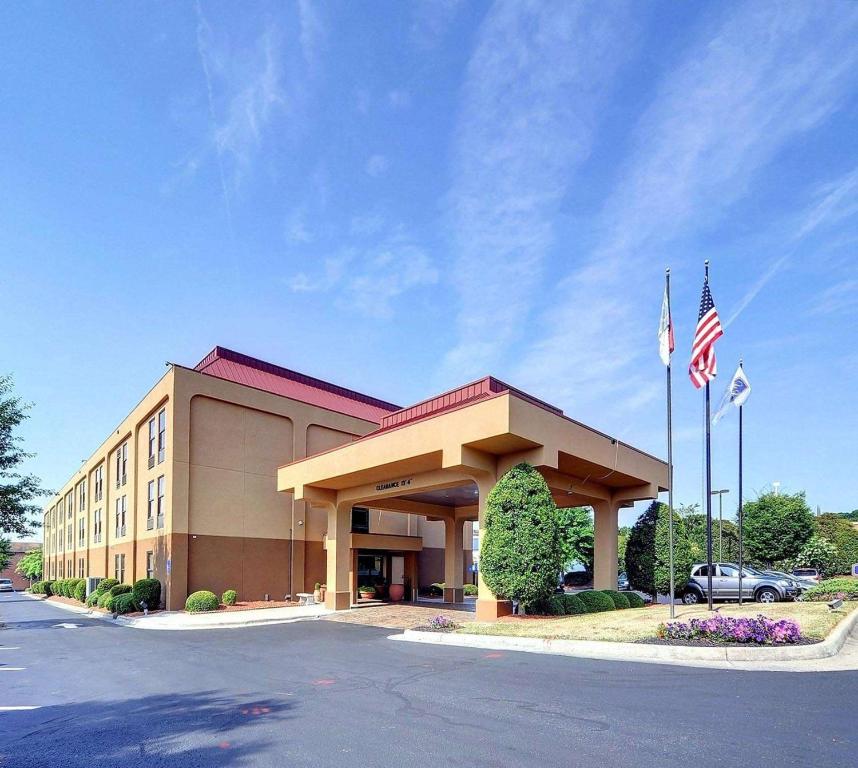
(12,669)
(20,708)
(9,648)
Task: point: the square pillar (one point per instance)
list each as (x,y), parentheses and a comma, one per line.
(454,560)
(339,562)
(489,607)
(605,515)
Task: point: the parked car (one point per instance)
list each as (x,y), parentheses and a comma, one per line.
(622,581)
(6,585)
(725,585)
(807,574)
(801,586)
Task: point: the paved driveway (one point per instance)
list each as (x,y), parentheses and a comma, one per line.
(323,693)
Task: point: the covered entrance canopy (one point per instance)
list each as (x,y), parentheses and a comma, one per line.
(441,457)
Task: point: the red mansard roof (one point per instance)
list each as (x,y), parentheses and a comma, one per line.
(243,369)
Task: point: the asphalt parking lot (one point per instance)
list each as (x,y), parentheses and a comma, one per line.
(76,691)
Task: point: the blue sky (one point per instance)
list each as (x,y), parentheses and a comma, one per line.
(401,197)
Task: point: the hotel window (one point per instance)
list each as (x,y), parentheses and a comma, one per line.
(122,464)
(81,505)
(69,536)
(150,564)
(119,568)
(81,533)
(121,509)
(96,527)
(80,568)
(150,507)
(70,505)
(360,520)
(152,432)
(162,434)
(99,482)
(161,489)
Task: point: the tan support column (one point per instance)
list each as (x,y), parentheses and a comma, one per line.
(489,607)
(339,595)
(605,545)
(453,560)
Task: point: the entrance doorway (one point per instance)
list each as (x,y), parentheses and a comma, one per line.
(387,572)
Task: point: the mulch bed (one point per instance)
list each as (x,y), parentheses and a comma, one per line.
(716,644)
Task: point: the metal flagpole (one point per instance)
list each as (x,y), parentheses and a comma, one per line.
(670,462)
(741,563)
(708,488)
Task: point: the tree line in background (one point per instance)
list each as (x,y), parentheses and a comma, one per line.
(780,532)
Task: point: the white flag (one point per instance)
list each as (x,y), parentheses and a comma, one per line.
(665,330)
(738,391)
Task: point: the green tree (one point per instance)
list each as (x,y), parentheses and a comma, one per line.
(5,553)
(695,524)
(818,553)
(853,515)
(776,527)
(576,536)
(622,542)
(844,536)
(17,491)
(648,551)
(30,565)
(522,554)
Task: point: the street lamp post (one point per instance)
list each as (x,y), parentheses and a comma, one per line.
(720,495)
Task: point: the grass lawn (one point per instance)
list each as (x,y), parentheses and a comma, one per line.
(815,620)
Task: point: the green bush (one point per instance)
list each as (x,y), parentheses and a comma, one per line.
(521,554)
(596,602)
(201,601)
(92,600)
(635,600)
(229,597)
(101,602)
(120,589)
(573,605)
(104,585)
(124,603)
(619,599)
(847,589)
(42,588)
(80,591)
(839,531)
(552,606)
(148,591)
(648,551)
(471,590)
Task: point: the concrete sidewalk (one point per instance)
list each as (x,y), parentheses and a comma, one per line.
(179,620)
(838,652)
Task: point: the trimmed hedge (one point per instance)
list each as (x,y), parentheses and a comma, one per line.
(830,589)
(635,600)
(120,589)
(573,605)
(42,588)
(104,585)
(471,590)
(229,597)
(148,591)
(621,602)
(124,603)
(596,602)
(92,600)
(101,602)
(80,591)
(201,601)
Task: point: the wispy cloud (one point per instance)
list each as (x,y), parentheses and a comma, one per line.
(369,276)
(768,74)
(834,202)
(842,297)
(313,35)
(377,165)
(534,84)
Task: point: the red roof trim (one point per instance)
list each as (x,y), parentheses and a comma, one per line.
(249,371)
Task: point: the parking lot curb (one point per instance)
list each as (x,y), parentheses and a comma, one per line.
(642,652)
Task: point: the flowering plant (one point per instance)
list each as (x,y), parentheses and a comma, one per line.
(442,623)
(728,629)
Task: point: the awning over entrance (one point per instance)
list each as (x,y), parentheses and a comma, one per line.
(441,457)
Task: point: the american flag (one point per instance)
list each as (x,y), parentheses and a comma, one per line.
(703,366)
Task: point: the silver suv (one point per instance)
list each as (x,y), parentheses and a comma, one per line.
(725,585)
